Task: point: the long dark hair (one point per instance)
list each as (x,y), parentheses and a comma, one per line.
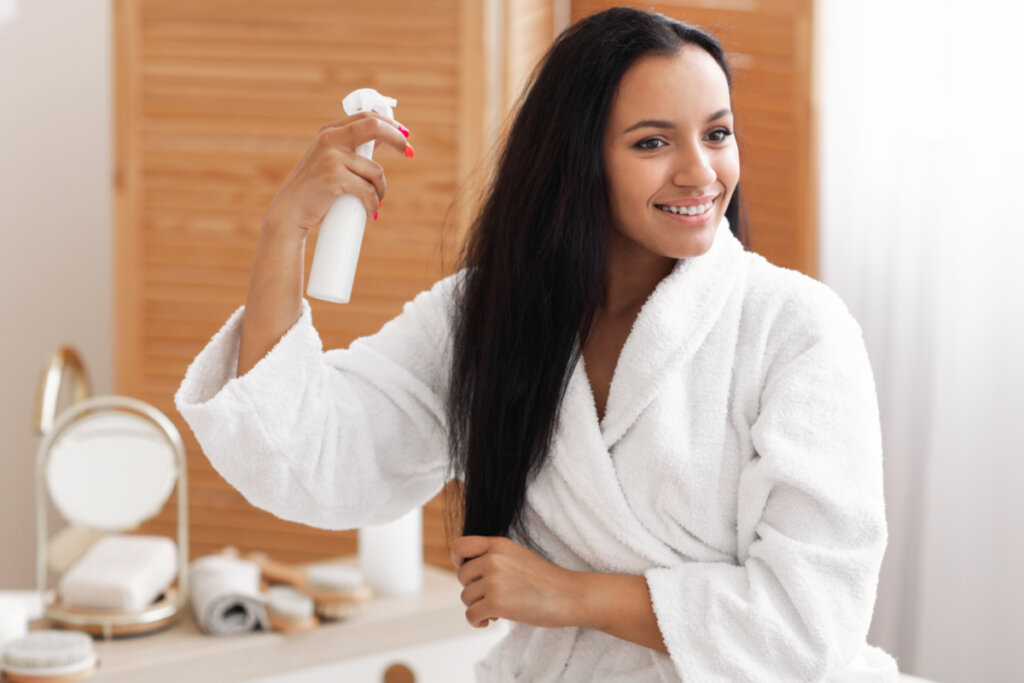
(535,262)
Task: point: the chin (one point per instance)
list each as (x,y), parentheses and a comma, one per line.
(697,245)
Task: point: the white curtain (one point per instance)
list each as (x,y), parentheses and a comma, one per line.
(921,153)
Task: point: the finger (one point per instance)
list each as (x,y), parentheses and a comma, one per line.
(363,114)
(469,546)
(480,614)
(370,171)
(471,570)
(363,189)
(363,129)
(378,143)
(472,594)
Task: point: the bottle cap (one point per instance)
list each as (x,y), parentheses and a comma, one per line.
(368,99)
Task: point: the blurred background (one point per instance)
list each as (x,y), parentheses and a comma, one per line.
(141,141)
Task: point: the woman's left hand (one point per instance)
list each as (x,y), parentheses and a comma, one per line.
(502,579)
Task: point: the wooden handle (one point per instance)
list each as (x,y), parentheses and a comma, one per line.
(279,572)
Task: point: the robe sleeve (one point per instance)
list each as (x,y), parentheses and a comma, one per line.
(338,439)
(811,523)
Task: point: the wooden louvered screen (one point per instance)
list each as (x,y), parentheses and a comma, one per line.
(769,48)
(216,100)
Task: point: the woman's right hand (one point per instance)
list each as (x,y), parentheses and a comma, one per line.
(331,167)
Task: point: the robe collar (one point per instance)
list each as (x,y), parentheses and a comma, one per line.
(578,499)
(671,326)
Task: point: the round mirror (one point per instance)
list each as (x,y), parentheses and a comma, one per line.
(110,470)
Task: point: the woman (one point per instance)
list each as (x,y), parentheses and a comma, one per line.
(670,447)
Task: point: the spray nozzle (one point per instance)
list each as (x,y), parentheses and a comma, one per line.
(368,99)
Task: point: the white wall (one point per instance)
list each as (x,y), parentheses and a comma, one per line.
(56,223)
(921,233)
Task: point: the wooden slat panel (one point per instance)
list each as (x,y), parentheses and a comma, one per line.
(127,182)
(216,101)
(768,45)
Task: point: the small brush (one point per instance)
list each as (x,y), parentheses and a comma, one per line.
(338,591)
(49,656)
(289,610)
(344,580)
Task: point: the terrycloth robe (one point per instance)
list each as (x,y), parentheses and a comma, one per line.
(738,467)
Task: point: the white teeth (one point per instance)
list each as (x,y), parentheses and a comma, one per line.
(686,210)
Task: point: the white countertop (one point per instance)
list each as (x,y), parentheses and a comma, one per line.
(182,653)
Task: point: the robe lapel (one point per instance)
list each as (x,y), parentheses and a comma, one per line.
(579,496)
(670,327)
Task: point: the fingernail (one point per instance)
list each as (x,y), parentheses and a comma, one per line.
(375,215)
(409,152)
(404,130)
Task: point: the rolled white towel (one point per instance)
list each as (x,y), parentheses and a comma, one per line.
(120,573)
(225,595)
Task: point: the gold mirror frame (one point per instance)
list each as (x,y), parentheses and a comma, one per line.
(51,427)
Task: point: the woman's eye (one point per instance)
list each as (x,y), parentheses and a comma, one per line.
(719,135)
(644,144)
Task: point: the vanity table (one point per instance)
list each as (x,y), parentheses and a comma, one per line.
(427,633)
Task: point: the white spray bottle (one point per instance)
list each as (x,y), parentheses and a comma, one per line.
(341,231)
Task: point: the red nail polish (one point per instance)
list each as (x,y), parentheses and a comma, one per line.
(375,215)
(404,130)
(409,152)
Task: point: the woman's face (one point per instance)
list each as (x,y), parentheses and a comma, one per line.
(669,143)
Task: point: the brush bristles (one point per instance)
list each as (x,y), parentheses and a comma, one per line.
(48,649)
(289,603)
(334,577)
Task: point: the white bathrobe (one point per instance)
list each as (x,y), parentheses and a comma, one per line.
(738,467)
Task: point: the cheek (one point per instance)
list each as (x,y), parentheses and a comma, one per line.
(639,179)
(623,187)
(729,169)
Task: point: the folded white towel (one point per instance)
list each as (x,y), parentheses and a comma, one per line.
(225,595)
(120,573)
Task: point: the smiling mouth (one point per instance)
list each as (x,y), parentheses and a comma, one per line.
(687,210)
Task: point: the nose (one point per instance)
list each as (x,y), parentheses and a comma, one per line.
(693,167)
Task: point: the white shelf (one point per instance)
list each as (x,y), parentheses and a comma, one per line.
(427,632)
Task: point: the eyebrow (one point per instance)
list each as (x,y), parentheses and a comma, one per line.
(651,123)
